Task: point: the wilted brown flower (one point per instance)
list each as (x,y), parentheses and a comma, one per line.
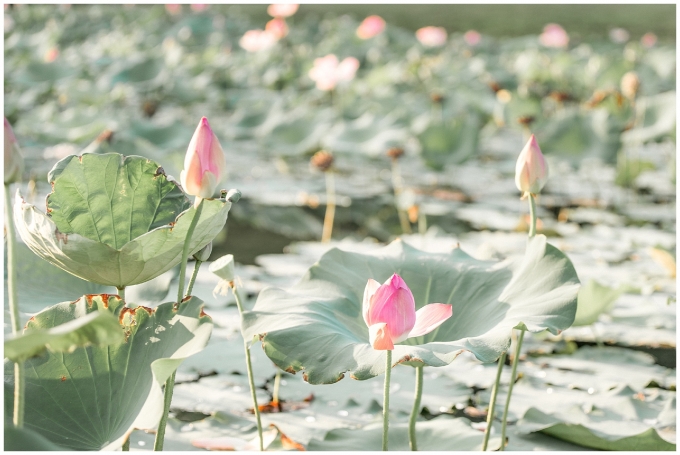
(395,152)
(322,160)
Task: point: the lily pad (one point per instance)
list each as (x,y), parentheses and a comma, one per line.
(92,398)
(536,292)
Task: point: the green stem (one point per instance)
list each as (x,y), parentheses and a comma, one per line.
(249,367)
(330,207)
(19,379)
(192,280)
(126,444)
(277,387)
(121,292)
(416,409)
(386,399)
(513,377)
(532,214)
(492,403)
(170,383)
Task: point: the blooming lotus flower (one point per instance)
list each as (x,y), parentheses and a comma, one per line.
(257,40)
(648,39)
(531,171)
(204,163)
(327,71)
(390,313)
(14,160)
(554,36)
(282,9)
(277,27)
(370,27)
(431,36)
(472,37)
(173,8)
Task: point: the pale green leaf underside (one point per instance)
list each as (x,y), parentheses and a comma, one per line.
(89,399)
(99,328)
(139,260)
(317,325)
(593,300)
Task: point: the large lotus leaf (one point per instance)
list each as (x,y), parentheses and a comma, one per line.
(317,326)
(452,143)
(24,439)
(93,397)
(99,328)
(141,259)
(658,116)
(593,300)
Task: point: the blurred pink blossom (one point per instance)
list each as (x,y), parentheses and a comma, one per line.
(282,9)
(198,7)
(648,39)
(472,37)
(277,27)
(370,27)
(173,8)
(257,40)
(554,36)
(619,35)
(51,54)
(432,36)
(328,71)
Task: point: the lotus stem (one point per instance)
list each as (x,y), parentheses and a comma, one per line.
(422,223)
(532,215)
(416,409)
(398,189)
(277,387)
(126,444)
(492,402)
(513,377)
(170,383)
(121,292)
(249,367)
(192,280)
(386,399)
(330,207)
(19,379)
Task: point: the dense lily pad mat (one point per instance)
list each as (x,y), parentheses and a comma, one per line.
(91,398)
(317,325)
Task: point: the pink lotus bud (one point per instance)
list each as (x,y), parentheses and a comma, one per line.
(432,36)
(554,36)
(198,7)
(472,37)
(370,27)
(630,84)
(531,171)
(14,160)
(257,40)
(51,54)
(390,313)
(282,9)
(277,27)
(648,40)
(327,71)
(619,35)
(204,163)
(173,8)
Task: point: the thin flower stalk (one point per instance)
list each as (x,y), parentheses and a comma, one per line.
(492,403)
(416,409)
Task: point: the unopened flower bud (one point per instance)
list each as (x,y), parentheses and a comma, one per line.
(204,253)
(630,84)
(531,172)
(14,160)
(204,163)
(322,160)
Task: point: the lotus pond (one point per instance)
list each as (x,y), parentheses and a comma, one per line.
(254,286)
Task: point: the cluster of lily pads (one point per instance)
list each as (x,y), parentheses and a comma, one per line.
(116,220)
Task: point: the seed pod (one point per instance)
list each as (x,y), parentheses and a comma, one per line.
(395,152)
(322,160)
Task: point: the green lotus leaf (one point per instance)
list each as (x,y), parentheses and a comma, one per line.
(24,439)
(452,143)
(92,398)
(115,220)
(99,328)
(317,325)
(593,300)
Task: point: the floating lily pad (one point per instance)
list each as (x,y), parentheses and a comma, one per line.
(489,299)
(91,398)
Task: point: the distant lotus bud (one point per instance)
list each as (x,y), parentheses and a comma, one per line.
(223,267)
(198,7)
(322,160)
(282,9)
(648,40)
(395,152)
(51,54)
(105,136)
(14,160)
(531,171)
(173,8)
(204,253)
(630,83)
(277,27)
(619,35)
(257,40)
(554,36)
(431,36)
(204,163)
(370,27)
(472,37)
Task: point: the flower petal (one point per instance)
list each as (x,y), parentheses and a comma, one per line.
(430,317)
(371,288)
(380,337)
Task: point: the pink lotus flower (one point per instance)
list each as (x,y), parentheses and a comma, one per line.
(277,27)
(257,40)
(431,36)
(173,8)
(390,313)
(282,9)
(14,160)
(370,27)
(648,39)
(198,7)
(327,71)
(204,163)
(554,36)
(531,171)
(51,54)
(472,37)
